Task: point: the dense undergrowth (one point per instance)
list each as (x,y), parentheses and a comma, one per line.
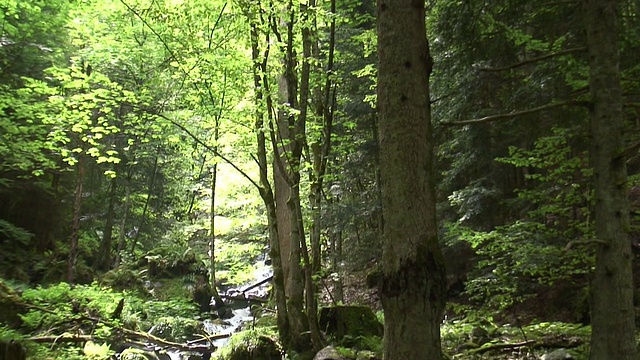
(43,318)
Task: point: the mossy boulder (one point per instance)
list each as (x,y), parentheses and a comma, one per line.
(137,354)
(329,353)
(258,344)
(352,320)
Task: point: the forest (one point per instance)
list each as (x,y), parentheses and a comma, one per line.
(319,179)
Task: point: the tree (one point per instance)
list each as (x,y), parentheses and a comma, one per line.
(612,312)
(413,276)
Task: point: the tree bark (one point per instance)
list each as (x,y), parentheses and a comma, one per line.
(291,128)
(612,312)
(212,244)
(75,222)
(261,84)
(413,278)
(104,253)
(122,237)
(143,219)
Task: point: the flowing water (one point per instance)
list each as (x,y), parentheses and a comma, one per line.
(240,313)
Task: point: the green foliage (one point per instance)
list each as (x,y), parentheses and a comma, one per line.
(518,258)
(236,260)
(514,260)
(97,351)
(559,175)
(177,329)
(12,232)
(69,303)
(459,339)
(145,312)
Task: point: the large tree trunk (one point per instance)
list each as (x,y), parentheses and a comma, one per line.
(291,129)
(266,192)
(612,312)
(413,278)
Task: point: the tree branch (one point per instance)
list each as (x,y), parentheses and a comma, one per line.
(630,150)
(512,114)
(535,59)
(206,146)
(571,243)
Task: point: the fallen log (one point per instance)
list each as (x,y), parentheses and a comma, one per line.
(244,298)
(75,338)
(261,282)
(502,346)
(165,343)
(544,343)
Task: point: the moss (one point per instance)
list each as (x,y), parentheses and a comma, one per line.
(354,321)
(256,344)
(170,289)
(266,320)
(136,354)
(347,353)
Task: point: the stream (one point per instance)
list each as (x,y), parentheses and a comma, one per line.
(236,313)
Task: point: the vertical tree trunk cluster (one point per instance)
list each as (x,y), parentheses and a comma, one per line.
(413,277)
(612,312)
(293,261)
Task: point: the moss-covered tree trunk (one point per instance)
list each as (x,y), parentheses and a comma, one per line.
(612,312)
(413,280)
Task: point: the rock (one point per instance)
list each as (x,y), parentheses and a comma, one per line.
(480,336)
(225,313)
(560,354)
(328,353)
(220,322)
(249,345)
(354,321)
(202,294)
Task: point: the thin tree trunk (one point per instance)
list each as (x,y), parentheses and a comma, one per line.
(75,222)
(122,237)
(413,279)
(192,201)
(338,293)
(143,219)
(612,312)
(104,253)
(212,245)
(324,106)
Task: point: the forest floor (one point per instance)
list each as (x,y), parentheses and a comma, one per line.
(478,336)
